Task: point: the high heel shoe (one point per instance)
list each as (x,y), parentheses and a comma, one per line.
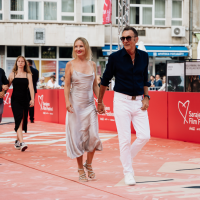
(82,177)
(89,169)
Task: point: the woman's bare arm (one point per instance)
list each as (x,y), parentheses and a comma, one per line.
(68,86)
(95,84)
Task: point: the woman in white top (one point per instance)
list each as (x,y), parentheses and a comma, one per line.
(163,84)
(51,84)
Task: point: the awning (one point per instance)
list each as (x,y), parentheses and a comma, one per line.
(159,51)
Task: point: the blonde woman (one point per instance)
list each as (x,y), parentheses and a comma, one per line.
(81,121)
(21,78)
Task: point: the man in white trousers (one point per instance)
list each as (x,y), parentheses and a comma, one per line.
(131,100)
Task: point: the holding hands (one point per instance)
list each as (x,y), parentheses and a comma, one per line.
(101,108)
(4,88)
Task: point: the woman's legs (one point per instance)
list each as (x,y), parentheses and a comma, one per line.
(80,165)
(90,156)
(19,133)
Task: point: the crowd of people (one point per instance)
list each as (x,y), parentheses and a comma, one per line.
(157,83)
(51,84)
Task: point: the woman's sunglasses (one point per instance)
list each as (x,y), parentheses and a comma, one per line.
(128,38)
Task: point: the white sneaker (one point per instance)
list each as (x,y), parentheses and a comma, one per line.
(23,146)
(129,179)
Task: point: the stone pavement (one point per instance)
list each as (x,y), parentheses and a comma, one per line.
(164,169)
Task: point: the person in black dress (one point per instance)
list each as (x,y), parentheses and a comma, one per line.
(21,78)
(35,74)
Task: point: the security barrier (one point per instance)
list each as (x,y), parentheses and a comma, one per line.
(172,115)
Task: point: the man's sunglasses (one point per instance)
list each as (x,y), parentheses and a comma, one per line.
(128,38)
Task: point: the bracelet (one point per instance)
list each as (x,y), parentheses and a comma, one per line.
(100,103)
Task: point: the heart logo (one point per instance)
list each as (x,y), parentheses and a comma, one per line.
(183,108)
(40,101)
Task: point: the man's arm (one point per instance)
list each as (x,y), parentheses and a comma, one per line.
(145,101)
(107,76)
(5,82)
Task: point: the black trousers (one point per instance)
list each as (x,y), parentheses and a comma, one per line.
(31,113)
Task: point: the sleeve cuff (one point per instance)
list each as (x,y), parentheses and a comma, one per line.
(105,83)
(147,84)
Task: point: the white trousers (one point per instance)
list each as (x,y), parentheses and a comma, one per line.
(125,111)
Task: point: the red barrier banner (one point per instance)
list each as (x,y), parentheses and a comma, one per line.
(62,107)
(7,111)
(157,113)
(184,116)
(107,121)
(46,106)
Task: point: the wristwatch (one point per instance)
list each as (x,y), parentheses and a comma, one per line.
(147,96)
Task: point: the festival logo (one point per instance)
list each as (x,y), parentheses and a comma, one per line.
(7,99)
(183,109)
(189,117)
(43,105)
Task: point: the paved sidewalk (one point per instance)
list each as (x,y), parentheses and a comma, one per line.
(164,169)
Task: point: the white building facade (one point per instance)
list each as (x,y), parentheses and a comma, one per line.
(44,31)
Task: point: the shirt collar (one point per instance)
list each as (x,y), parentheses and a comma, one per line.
(124,52)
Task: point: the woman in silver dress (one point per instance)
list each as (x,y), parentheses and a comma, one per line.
(81,120)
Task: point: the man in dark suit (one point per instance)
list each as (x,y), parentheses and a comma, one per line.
(35,75)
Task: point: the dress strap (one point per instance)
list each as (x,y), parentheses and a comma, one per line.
(26,74)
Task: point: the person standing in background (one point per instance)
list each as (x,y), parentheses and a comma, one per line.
(158,82)
(152,81)
(163,84)
(21,79)
(3,87)
(35,76)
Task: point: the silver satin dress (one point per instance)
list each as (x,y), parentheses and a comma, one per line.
(82,124)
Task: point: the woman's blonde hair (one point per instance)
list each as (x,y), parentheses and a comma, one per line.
(26,67)
(88,51)
(163,79)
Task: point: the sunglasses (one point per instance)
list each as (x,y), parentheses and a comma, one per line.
(128,38)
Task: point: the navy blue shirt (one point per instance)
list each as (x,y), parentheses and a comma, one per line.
(3,81)
(158,83)
(129,79)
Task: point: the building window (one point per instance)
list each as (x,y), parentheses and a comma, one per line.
(17,9)
(32,52)
(88,11)
(67,10)
(14,51)
(159,12)
(50,10)
(49,52)
(65,52)
(141,12)
(146,12)
(34,10)
(177,13)
(1,15)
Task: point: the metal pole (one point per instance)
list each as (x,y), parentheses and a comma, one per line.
(123,18)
